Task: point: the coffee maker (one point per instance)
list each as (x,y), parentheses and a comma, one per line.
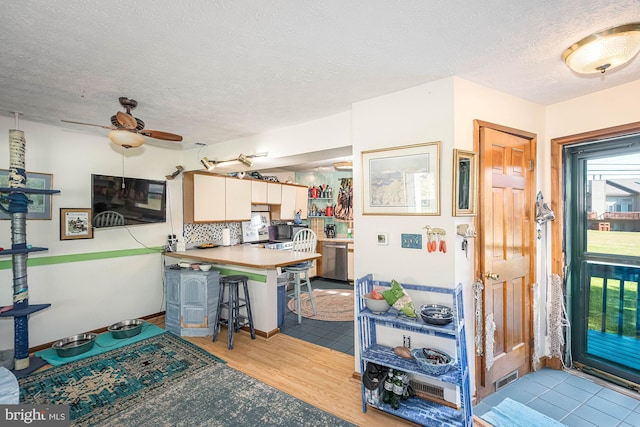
(330,231)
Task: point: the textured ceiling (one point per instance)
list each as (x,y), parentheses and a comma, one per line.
(218,70)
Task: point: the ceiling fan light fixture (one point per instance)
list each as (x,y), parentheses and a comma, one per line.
(604,50)
(343,166)
(125,138)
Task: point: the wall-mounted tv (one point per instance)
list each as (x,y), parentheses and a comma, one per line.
(139,201)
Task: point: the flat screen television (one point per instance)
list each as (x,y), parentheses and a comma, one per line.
(139,201)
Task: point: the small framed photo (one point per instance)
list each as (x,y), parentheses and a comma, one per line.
(75,224)
(382,238)
(39,206)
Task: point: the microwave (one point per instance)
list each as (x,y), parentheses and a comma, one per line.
(283,232)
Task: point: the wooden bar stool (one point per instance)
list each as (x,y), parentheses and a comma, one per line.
(233,303)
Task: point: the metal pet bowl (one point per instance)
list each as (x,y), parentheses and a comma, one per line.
(74,345)
(126,328)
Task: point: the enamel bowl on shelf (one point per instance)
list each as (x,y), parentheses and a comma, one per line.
(377,306)
(436,314)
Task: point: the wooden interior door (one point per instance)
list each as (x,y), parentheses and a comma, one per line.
(506,251)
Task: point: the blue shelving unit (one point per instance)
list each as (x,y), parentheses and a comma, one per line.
(416,409)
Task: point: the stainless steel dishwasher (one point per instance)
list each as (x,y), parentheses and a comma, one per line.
(335,260)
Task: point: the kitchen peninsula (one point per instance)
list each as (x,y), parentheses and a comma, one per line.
(261,265)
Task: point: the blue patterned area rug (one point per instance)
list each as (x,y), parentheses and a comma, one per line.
(166,381)
(222,396)
(100,386)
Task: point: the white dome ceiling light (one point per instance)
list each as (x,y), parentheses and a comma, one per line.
(604,50)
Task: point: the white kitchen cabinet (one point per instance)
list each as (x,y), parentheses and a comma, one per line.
(259,194)
(274,193)
(237,199)
(302,196)
(203,197)
(215,198)
(288,203)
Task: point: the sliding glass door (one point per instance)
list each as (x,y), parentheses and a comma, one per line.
(603,254)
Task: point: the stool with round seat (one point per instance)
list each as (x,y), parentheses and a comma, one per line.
(233,304)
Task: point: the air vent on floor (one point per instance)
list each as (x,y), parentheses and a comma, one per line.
(428,389)
(507,379)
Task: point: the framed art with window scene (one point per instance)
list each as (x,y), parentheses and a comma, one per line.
(465,183)
(402,180)
(75,224)
(39,206)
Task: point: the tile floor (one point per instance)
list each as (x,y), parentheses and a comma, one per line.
(570,397)
(335,335)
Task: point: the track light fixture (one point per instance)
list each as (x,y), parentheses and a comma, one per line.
(242,160)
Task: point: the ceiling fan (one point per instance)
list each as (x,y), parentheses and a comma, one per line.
(128,131)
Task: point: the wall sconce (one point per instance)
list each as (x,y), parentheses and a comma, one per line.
(174,174)
(604,50)
(125,138)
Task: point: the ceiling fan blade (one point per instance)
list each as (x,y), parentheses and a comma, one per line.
(127,121)
(90,124)
(161,135)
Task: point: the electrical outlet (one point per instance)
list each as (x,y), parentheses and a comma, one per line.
(406,341)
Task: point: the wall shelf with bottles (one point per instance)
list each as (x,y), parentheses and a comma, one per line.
(416,409)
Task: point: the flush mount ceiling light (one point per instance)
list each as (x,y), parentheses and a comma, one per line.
(604,50)
(343,166)
(125,138)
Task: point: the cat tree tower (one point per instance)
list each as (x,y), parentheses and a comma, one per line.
(16,197)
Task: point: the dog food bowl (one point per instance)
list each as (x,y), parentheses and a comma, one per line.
(74,345)
(126,328)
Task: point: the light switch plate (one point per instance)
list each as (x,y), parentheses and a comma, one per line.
(412,241)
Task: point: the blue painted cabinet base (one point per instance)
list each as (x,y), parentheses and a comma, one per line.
(192,300)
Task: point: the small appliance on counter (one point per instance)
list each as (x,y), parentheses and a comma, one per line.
(256,230)
(330,231)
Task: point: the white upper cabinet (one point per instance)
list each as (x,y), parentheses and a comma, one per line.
(259,192)
(238,199)
(274,193)
(202,197)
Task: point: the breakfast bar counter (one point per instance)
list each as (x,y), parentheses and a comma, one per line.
(262,266)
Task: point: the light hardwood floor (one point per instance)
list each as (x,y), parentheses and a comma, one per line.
(317,375)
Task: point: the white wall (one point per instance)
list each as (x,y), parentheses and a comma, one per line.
(322,134)
(89,294)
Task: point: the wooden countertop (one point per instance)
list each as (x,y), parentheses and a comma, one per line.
(245,255)
(336,239)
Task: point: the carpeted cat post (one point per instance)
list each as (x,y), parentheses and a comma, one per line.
(16,196)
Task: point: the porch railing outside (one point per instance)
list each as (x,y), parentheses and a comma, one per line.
(614,300)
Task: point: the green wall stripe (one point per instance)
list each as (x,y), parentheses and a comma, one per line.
(252,276)
(63,259)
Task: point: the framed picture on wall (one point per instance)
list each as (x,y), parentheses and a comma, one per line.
(465,182)
(402,180)
(75,224)
(39,206)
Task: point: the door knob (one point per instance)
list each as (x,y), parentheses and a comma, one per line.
(492,276)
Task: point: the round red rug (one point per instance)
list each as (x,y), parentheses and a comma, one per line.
(333,305)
